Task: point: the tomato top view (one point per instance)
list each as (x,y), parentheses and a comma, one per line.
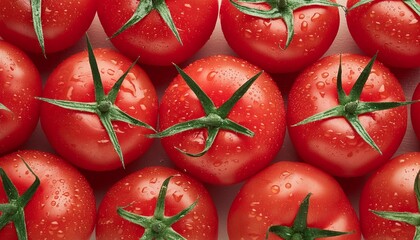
(98,109)
(279,36)
(63,22)
(232,119)
(269,202)
(61,203)
(157,203)
(20,83)
(390,27)
(346,114)
(390,200)
(159,32)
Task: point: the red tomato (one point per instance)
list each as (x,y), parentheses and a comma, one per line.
(80,137)
(138,193)
(272,197)
(64,22)
(151,39)
(20,83)
(332,144)
(262,41)
(233,157)
(415,112)
(63,207)
(390,28)
(391,188)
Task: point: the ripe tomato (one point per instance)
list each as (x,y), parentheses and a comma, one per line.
(64,22)
(138,193)
(232,157)
(333,144)
(415,112)
(63,206)
(20,83)
(272,198)
(262,41)
(391,188)
(80,137)
(390,28)
(151,39)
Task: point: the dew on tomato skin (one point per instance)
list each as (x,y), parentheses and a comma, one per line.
(177,196)
(315,17)
(304,26)
(275,189)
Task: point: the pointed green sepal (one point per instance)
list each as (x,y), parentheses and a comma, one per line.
(143,9)
(104,106)
(215,119)
(158,226)
(3,107)
(36,18)
(13,211)
(280,9)
(300,230)
(350,106)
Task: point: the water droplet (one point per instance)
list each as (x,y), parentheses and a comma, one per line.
(153,180)
(177,196)
(247,33)
(325,75)
(315,17)
(288,185)
(267,23)
(301,16)
(211,75)
(413,21)
(275,189)
(304,26)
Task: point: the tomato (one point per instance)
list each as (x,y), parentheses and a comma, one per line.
(63,206)
(415,112)
(63,23)
(232,156)
(391,188)
(20,83)
(138,193)
(80,137)
(272,198)
(390,28)
(334,144)
(262,41)
(151,39)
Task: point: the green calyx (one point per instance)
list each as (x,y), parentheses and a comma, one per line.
(143,9)
(282,9)
(104,106)
(36,18)
(13,211)
(215,119)
(410,3)
(158,226)
(300,230)
(406,217)
(3,107)
(350,106)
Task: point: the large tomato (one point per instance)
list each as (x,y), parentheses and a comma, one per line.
(391,189)
(390,28)
(272,198)
(263,41)
(20,83)
(81,137)
(233,156)
(140,193)
(151,38)
(63,206)
(415,112)
(64,22)
(333,144)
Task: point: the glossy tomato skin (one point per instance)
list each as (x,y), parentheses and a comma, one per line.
(151,39)
(20,83)
(233,157)
(415,112)
(64,22)
(332,144)
(63,206)
(272,197)
(80,137)
(391,188)
(262,41)
(138,193)
(390,28)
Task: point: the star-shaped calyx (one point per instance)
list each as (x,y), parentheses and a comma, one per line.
(280,9)
(158,226)
(104,106)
